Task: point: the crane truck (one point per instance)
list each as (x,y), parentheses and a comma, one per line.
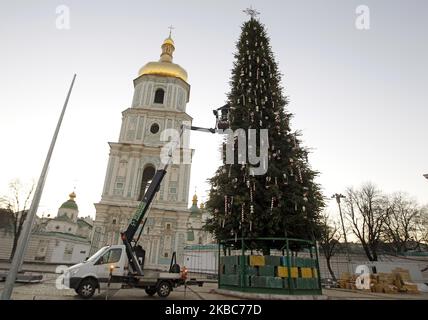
(122,266)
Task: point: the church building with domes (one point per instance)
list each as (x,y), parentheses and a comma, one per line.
(63,239)
(161,92)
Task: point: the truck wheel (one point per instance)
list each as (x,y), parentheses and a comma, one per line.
(150,291)
(87,288)
(163,289)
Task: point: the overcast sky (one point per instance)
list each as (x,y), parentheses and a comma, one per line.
(359,96)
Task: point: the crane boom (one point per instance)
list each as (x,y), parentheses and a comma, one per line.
(144,206)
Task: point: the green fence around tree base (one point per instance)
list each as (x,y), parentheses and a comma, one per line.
(290,268)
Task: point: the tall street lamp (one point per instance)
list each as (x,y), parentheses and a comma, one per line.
(338,197)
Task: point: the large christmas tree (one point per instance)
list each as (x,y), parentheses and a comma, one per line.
(285,201)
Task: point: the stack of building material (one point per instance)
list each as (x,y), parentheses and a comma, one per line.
(385,283)
(407,283)
(395,282)
(347,281)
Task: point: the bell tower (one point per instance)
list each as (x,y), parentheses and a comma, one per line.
(161,93)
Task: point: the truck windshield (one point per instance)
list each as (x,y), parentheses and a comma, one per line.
(97,254)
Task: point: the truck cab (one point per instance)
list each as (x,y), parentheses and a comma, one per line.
(96,271)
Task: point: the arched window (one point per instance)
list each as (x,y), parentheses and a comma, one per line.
(159,95)
(148,174)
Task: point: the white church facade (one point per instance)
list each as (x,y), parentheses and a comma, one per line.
(161,93)
(63,239)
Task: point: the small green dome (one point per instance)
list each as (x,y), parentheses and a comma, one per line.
(70,203)
(194,210)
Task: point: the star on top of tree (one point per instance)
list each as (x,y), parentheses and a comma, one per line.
(251,12)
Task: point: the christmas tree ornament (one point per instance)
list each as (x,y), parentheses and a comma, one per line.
(303,208)
(299,172)
(285,178)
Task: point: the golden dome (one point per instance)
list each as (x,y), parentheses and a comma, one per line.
(168,41)
(195,199)
(165,67)
(72,195)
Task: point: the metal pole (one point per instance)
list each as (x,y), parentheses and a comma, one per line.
(338,197)
(28,223)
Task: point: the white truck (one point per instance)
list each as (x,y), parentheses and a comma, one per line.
(108,269)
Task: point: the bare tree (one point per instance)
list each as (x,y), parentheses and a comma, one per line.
(366,210)
(329,239)
(403,229)
(424,225)
(17,203)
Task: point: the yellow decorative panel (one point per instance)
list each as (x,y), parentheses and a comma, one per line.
(257,261)
(283,272)
(306,272)
(294,272)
